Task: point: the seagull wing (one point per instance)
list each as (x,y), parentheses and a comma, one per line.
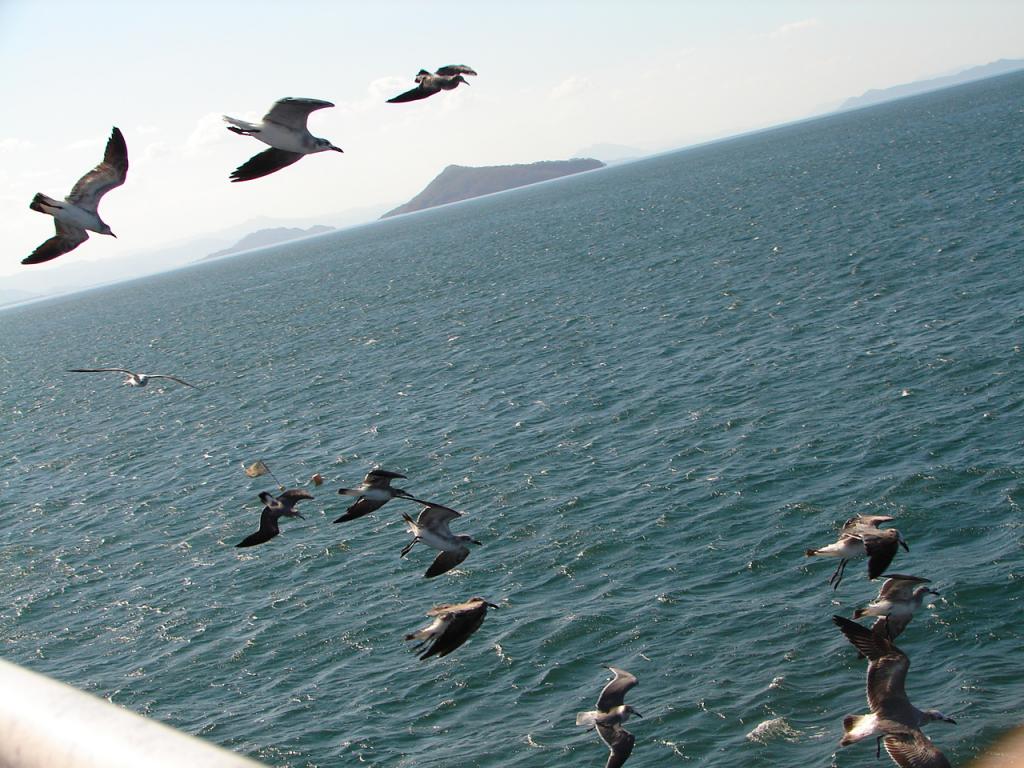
(292,112)
(100,370)
(435,515)
(294,495)
(613,694)
(104,177)
(455,69)
(860,522)
(419,92)
(914,750)
(380,478)
(264,164)
(445,561)
(900,588)
(362,506)
(268,529)
(67,239)
(619,741)
(881,548)
(172,378)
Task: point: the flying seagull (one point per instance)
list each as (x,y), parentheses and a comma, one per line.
(860,537)
(445,79)
(133,379)
(452,626)
(274,509)
(78,211)
(431,527)
(892,717)
(611,713)
(374,492)
(284,129)
(897,600)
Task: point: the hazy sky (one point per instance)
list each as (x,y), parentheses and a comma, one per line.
(554,79)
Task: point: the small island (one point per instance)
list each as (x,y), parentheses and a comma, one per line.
(265,237)
(459,182)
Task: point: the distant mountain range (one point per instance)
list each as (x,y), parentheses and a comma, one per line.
(877,96)
(264,237)
(459,182)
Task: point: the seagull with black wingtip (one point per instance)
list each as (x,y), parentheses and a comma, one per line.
(431,528)
(452,626)
(374,492)
(274,509)
(860,536)
(428,83)
(132,378)
(284,129)
(612,711)
(77,215)
(893,720)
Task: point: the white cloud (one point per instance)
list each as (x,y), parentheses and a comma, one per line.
(209,131)
(15,145)
(792,27)
(573,85)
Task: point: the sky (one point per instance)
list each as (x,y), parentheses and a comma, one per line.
(555,78)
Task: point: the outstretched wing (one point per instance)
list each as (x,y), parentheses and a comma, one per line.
(268,530)
(435,514)
(613,694)
(362,506)
(294,495)
(172,378)
(619,741)
(264,164)
(417,93)
(105,176)
(455,69)
(462,624)
(914,750)
(900,588)
(99,370)
(292,112)
(445,561)
(67,239)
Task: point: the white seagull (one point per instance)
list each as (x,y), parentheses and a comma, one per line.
(373,493)
(133,379)
(77,213)
(445,79)
(611,713)
(284,129)
(431,527)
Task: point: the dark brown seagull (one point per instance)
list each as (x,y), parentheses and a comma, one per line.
(283,505)
(860,536)
(452,626)
(445,79)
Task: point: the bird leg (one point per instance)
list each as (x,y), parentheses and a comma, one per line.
(837,576)
(405,550)
(878,747)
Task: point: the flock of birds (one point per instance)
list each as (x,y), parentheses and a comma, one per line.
(892,720)
(283,128)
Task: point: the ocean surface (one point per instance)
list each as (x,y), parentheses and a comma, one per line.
(649,388)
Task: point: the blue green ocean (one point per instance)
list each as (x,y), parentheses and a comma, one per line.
(649,389)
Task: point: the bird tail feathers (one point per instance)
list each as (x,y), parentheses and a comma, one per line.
(585,718)
(41,200)
(242,127)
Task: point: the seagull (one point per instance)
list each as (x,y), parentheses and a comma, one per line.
(861,536)
(452,626)
(445,79)
(133,379)
(609,716)
(274,509)
(374,493)
(78,211)
(897,600)
(431,527)
(284,129)
(892,718)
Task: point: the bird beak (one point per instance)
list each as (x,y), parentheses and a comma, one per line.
(638,714)
(492,605)
(951,720)
(935,592)
(477,542)
(113,235)
(299,515)
(904,545)
(337,149)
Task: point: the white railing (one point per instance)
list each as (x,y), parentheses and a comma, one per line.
(47,724)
